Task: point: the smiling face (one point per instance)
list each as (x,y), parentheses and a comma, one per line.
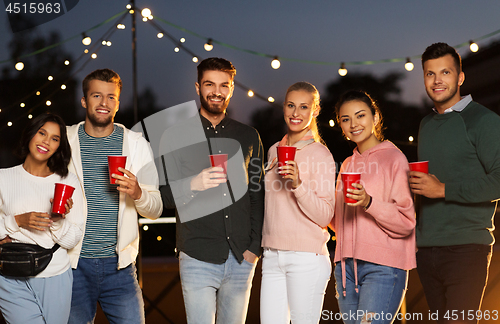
(442,82)
(215,90)
(299,111)
(45,142)
(358,124)
(101,103)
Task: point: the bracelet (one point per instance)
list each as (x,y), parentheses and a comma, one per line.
(369,204)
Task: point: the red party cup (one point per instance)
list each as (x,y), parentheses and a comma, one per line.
(115,162)
(219,160)
(285,153)
(348,178)
(422,166)
(62,193)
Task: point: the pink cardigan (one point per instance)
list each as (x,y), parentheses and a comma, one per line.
(385,233)
(297,220)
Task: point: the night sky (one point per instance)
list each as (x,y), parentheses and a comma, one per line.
(316,30)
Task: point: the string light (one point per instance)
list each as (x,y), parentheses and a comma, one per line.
(131,11)
(63,87)
(195,59)
(473,47)
(30,116)
(176,49)
(410,138)
(9,124)
(50,78)
(158,238)
(270,99)
(86,51)
(86,40)
(103,42)
(22,105)
(409,65)
(331,123)
(108,43)
(250,93)
(144,19)
(120,26)
(208,45)
(145,227)
(275,63)
(48,102)
(66,62)
(182,40)
(129,6)
(342,70)
(19,66)
(94,55)
(37,93)
(159,35)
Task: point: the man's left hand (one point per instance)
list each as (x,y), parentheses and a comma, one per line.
(427,185)
(128,184)
(250,257)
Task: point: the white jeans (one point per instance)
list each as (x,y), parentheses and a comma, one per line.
(293,286)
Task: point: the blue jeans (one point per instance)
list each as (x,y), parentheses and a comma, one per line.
(117,291)
(36,300)
(381,291)
(209,289)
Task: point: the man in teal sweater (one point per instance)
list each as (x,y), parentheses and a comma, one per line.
(461,141)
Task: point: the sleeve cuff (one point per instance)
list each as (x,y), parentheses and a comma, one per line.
(11,224)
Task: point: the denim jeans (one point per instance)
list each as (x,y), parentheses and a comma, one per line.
(36,300)
(381,291)
(293,286)
(454,279)
(213,291)
(117,291)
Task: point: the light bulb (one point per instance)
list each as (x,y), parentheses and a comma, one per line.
(120,26)
(66,62)
(208,45)
(176,49)
(94,55)
(63,87)
(410,138)
(30,116)
(275,63)
(48,102)
(50,78)
(342,70)
(409,65)
(86,40)
(331,123)
(19,66)
(22,105)
(159,35)
(250,93)
(146,12)
(195,59)
(473,47)
(270,99)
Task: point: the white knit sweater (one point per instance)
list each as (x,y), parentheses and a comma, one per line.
(22,192)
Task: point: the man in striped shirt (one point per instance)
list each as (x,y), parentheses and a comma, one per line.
(104,261)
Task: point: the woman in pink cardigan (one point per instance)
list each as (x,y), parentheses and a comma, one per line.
(299,203)
(375,236)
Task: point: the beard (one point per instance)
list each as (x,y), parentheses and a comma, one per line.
(215,109)
(99,122)
(452,92)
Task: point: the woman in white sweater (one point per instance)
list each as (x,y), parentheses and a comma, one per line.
(26,192)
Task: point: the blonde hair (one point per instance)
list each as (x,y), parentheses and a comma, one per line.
(308,87)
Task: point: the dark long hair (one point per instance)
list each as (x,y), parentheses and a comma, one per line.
(357,95)
(58,162)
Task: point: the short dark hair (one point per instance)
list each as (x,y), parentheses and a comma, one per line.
(438,50)
(58,162)
(358,95)
(105,75)
(216,64)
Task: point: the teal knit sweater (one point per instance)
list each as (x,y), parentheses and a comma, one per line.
(463,150)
